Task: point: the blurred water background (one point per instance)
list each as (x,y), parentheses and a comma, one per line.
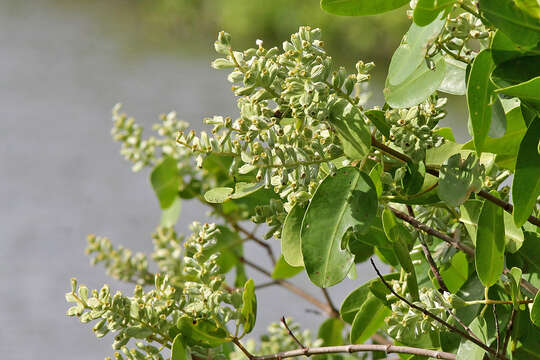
(63,65)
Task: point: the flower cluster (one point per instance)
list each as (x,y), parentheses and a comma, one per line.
(407,324)
(284,137)
(412,129)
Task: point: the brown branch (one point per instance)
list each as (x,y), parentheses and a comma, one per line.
(509,330)
(497,331)
(431,170)
(429,258)
(329,301)
(284,322)
(252,236)
(350,349)
(458,245)
(435,317)
(293,288)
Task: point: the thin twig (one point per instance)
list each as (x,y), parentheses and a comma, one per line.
(497,328)
(509,330)
(270,283)
(431,170)
(350,349)
(329,301)
(293,288)
(435,317)
(429,258)
(291,334)
(452,241)
(252,236)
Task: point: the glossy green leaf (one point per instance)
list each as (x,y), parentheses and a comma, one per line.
(360,7)
(459,178)
(249,306)
(489,251)
(242,189)
(420,84)
(498,119)
(349,123)
(504,49)
(331,332)
(412,51)
(354,301)
(515,71)
(526,186)
(528,90)
(169,216)
(165,181)
(368,319)
(218,195)
(291,245)
(479,92)
(513,235)
(518,25)
(427,10)
(535,310)
(456,273)
(344,200)
(201,332)
(178,350)
(375,175)
(282,270)
(531,7)
(467,349)
(454,78)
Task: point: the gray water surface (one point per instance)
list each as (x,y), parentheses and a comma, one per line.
(62,68)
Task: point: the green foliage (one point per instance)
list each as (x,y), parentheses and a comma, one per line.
(339,183)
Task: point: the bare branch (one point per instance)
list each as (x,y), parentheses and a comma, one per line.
(497,331)
(329,301)
(284,322)
(509,328)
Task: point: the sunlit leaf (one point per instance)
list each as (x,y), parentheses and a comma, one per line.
(360,7)
(489,251)
(165,181)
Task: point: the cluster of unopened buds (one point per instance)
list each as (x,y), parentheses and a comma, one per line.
(412,129)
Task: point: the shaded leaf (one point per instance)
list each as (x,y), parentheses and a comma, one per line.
(330,332)
(282,270)
(351,128)
(470,351)
(218,195)
(169,216)
(344,200)
(427,10)
(249,306)
(368,319)
(458,179)
(291,245)
(165,181)
(454,77)
(489,251)
(201,332)
(178,351)
(526,185)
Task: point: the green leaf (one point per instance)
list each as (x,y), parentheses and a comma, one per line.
(515,71)
(282,270)
(515,23)
(138,332)
(291,245)
(178,351)
(368,319)
(535,310)
(243,189)
(515,279)
(378,119)
(479,92)
(420,84)
(427,10)
(360,7)
(489,251)
(513,235)
(344,200)
(445,133)
(458,179)
(249,306)
(503,48)
(526,186)
(412,51)
(456,273)
(351,128)
(331,331)
(165,181)
(228,246)
(454,78)
(218,195)
(375,175)
(354,301)
(169,216)
(201,332)
(531,7)
(467,349)
(528,90)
